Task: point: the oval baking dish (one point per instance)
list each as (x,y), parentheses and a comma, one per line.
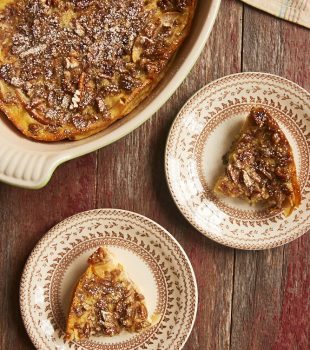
(30,164)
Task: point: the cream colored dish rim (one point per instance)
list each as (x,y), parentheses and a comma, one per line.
(33,168)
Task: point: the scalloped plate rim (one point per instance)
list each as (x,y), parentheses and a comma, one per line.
(102,211)
(190,220)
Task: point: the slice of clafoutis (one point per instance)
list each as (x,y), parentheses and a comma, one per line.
(260,165)
(105,301)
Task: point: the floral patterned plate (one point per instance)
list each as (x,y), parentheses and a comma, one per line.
(202,133)
(152,258)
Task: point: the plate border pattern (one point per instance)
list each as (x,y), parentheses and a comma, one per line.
(171,246)
(208,98)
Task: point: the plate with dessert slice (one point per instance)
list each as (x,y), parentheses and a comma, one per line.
(237,161)
(108,279)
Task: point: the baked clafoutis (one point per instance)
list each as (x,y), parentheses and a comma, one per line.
(105,301)
(71,68)
(260,165)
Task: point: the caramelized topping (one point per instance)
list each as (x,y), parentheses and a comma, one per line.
(66,52)
(260,165)
(105,301)
(69,57)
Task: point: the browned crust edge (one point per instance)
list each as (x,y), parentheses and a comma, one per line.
(24,119)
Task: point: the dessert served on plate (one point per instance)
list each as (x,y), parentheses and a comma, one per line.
(69,69)
(260,166)
(152,258)
(105,301)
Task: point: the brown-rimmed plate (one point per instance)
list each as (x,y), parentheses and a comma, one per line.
(203,132)
(152,258)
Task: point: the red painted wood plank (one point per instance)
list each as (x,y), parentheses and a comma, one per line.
(25,216)
(248,300)
(271,288)
(294,321)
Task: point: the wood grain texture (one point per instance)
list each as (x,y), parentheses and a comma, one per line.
(140,185)
(271,304)
(24,217)
(247,300)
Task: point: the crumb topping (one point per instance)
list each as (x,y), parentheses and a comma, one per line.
(69,57)
(105,302)
(260,164)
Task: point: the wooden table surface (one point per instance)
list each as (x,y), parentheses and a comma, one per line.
(247,299)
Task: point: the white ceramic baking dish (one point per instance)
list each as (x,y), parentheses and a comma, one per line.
(30,164)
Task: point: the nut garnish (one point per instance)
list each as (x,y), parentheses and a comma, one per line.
(75,100)
(98,52)
(71,62)
(260,165)
(105,301)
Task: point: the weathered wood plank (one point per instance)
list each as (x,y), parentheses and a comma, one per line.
(294,321)
(24,217)
(131,176)
(267,297)
(271,288)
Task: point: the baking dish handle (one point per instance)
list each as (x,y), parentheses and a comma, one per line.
(26,169)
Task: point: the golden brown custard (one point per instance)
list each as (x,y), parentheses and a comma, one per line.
(70,68)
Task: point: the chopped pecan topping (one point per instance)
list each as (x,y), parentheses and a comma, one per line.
(260,164)
(83,57)
(106,301)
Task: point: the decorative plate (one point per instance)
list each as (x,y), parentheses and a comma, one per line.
(203,132)
(152,258)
